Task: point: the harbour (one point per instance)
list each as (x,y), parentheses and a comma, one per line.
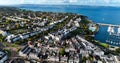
(114,36)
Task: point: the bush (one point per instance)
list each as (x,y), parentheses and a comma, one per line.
(14,45)
(8,51)
(1,38)
(103,45)
(117,50)
(84,59)
(62,51)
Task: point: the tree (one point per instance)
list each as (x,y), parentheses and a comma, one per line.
(117,50)
(62,51)
(84,59)
(1,38)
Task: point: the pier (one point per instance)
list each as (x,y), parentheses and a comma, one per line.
(104,24)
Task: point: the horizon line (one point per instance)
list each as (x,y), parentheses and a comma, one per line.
(63,4)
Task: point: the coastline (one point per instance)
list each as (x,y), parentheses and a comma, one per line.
(50,36)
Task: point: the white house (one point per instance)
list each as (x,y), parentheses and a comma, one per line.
(99,53)
(4,33)
(47,37)
(76,23)
(52,36)
(8,38)
(79,19)
(57,38)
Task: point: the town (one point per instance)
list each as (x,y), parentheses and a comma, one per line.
(45,37)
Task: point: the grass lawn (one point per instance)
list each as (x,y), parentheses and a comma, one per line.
(103,44)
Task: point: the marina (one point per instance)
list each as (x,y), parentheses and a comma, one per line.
(114,36)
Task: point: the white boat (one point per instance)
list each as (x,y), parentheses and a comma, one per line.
(118,31)
(109,29)
(111,42)
(112,30)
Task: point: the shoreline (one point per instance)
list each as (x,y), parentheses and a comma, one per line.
(53,36)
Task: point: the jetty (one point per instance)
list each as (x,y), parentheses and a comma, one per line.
(104,24)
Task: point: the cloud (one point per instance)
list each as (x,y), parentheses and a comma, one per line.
(73,1)
(106,1)
(78,2)
(98,2)
(9,2)
(21,1)
(41,1)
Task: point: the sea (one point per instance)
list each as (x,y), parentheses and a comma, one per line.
(98,14)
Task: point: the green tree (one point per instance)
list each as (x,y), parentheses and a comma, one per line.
(117,50)
(62,51)
(1,38)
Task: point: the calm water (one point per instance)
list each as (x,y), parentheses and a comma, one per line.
(109,15)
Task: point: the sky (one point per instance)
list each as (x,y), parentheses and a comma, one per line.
(74,2)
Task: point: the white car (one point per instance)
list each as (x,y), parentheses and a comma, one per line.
(3,57)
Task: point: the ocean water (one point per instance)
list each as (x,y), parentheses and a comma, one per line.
(98,14)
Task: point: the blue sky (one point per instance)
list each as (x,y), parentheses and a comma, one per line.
(77,2)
